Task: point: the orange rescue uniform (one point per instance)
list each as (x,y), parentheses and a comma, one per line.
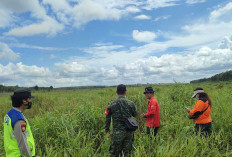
(201,106)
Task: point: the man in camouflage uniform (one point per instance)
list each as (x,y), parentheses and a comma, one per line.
(122,139)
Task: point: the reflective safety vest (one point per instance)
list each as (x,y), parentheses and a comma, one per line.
(10,142)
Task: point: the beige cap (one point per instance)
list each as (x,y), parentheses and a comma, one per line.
(197,92)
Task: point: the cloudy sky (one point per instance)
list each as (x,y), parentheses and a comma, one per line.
(106,42)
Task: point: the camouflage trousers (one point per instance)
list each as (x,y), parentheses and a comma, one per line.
(121,143)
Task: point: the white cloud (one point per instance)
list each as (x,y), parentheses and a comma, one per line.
(182,67)
(106,63)
(50,27)
(22,74)
(75,69)
(7,54)
(153,4)
(142,17)
(52,56)
(106,55)
(194,1)
(72,14)
(143,36)
(132,9)
(22,45)
(62,9)
(6,18)
(226,43)
(59,5)
(89,10)
(162,18)
(199,33)
(100,48)
(222,11)
(137,66)
(45,24)
(21,6)
(31,71)
(203,63)
(69,13)
(131,66)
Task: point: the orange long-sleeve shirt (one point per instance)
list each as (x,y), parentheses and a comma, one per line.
(205,117)
(152,115)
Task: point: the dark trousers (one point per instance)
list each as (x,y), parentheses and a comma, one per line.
(152,131)
(205,129)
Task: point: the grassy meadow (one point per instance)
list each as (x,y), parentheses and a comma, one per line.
(71,123)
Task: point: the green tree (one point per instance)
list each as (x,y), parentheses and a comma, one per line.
(36,87)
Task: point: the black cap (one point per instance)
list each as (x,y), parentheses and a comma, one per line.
(121,88)
(23,93)
(149,90)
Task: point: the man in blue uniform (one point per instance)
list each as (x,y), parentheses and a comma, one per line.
(18,138)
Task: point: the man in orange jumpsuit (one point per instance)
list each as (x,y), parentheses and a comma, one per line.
(152,115)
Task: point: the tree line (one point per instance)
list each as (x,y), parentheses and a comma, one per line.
(12,88)
(225,76)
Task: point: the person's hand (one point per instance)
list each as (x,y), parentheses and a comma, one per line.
(143,115)
(188,109)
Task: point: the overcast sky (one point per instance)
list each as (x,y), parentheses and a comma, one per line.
(107,42)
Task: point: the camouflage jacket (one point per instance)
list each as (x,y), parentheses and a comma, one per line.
(118,109)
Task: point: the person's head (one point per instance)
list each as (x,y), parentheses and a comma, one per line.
(121,89)
(149,92)
(199,94)
(22,98)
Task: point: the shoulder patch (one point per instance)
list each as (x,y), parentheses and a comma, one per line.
(23,126)
(106,112)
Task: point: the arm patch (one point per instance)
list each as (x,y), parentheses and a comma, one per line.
(106,112)
(23,126)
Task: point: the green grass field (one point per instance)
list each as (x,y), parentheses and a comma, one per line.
(71,123)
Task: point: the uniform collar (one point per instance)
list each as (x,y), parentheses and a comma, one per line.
(120,97)
(17,109)
(151,98)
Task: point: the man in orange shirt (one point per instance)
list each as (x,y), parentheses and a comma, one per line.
(201,112)
(152,115)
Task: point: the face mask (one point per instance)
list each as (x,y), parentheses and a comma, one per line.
(29,105)
(197,97)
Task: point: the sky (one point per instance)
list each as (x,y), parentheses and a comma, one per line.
(65,43)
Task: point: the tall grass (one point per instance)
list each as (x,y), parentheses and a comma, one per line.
(71,123)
